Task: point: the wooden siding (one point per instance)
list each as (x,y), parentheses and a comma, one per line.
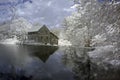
(43,35)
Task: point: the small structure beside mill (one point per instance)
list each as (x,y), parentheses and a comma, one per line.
(44,36)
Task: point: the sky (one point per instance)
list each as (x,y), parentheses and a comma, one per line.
(49,12)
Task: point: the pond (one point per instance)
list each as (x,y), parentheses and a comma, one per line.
(40,62)
(22,62)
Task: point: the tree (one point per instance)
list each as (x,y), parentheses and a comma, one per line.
(19,27)
(79,28)
(98,19)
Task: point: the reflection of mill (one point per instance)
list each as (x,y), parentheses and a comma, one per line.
(42,52)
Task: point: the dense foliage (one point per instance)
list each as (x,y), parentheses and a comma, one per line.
(95,23)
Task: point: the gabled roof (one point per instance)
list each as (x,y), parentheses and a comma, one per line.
(44,27)
(37,28)
(54,35)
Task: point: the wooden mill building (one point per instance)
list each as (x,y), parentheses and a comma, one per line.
(43,35)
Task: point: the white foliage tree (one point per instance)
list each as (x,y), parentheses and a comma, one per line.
(99,18)
(20,27)
(79,28)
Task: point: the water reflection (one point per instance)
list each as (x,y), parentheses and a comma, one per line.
(84,69)
(32,63)
(77,59)
(42,52)
(50,63)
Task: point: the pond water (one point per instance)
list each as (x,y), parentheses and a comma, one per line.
(40,62)
(21,62)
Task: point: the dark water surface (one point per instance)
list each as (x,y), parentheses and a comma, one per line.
(21,62)
(36,62)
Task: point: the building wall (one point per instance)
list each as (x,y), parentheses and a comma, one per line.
(53,39)
(43,36)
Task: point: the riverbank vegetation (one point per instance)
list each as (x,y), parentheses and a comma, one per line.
(96,24)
